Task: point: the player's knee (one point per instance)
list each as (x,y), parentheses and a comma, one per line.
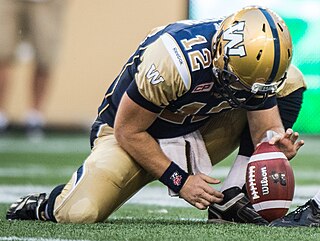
(83,211)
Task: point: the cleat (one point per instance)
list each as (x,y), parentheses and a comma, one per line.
(237,209)
(307,215)
(30,207)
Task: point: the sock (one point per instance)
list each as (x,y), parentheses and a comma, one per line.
(46,213)
(51,201)
(3,121)
(42,211)
(316,198)
(237,174)
(34,118)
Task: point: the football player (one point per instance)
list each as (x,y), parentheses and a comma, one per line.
(289,100)
(213,76)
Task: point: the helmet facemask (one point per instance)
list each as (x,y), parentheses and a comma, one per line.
(228,84)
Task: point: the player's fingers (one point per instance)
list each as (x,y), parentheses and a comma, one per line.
(200,206)
(288,133)
(294,137)
(275,139)
(204,201)
(209,179)
(210,190)
(299,144)
(201,203)
(212,198)
(213,193)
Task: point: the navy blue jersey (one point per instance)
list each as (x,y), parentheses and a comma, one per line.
(171,74)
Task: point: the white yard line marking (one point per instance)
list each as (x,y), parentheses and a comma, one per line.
(149,195)
(81,145)
(47,145)
(42,171)
(34,171)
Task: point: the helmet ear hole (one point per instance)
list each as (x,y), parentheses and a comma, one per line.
(264,27)
(279,25)
(220,49)
(289,54)
(259,55)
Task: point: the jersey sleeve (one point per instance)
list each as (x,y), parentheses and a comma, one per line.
(162,76)
(270,102)
(295,80)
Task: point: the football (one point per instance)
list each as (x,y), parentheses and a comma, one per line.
(270,182)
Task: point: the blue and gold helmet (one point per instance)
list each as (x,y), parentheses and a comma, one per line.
(252,51)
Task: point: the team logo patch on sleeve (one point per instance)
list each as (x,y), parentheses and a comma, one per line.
(205,87)
(153,75)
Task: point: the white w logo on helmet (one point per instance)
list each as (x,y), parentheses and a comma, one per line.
(234,35)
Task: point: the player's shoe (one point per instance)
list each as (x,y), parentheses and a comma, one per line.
(307,215)
(30,207)
(235,208)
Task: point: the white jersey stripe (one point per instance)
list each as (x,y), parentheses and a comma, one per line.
(178,58)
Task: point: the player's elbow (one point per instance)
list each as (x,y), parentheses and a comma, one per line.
(123,135)
(120,135)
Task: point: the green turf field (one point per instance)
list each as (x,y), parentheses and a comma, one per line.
(38,166)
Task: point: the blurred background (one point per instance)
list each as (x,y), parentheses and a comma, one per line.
(97,37)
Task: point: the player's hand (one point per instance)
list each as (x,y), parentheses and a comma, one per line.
(199,193)
(287,143)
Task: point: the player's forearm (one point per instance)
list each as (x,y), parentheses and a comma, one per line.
(130,127)
(145,150)
(262,121)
